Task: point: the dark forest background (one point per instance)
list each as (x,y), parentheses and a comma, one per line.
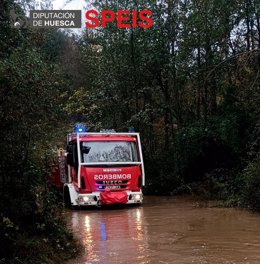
(190,86)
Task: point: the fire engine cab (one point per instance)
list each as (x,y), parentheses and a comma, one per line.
(103,168)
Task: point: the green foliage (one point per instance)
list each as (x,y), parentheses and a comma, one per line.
(190,142)
(189,85)
(162,177)
(8,234)
(33,220)
(30,112)
(251,193)
(203,147)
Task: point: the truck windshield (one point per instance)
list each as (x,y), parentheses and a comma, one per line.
(109,151)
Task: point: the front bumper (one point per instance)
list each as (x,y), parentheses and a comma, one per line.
(93,199)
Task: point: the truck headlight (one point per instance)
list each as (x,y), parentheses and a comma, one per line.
(85,199)
(137,197)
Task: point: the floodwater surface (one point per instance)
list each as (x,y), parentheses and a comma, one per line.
(167,230)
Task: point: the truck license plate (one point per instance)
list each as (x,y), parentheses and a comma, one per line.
(113,187)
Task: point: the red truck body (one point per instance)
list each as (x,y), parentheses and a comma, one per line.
(102,168)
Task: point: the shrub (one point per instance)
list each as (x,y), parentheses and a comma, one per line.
(200,150)
(251,194)
(162,177)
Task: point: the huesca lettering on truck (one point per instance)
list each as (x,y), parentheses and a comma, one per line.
(101,168)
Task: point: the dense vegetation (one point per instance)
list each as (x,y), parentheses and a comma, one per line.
(32,228)
(189,85)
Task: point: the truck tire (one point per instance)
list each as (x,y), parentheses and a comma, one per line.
(66,198)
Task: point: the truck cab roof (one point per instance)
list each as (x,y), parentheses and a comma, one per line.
(103,137)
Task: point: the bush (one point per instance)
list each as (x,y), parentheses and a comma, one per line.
(251,194)
(200,150)
(32,228)
(200,153)
(162,177)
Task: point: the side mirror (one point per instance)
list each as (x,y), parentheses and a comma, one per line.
(85,150)
(69,148)
(70,159)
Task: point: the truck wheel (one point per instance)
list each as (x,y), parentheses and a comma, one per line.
(67,200)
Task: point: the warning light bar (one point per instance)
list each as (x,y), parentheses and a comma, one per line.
(80,128)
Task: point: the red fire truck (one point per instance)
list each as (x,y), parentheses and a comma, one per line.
(102,169)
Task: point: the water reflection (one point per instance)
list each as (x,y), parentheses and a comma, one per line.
(111,236)
(87,224)
(103,231)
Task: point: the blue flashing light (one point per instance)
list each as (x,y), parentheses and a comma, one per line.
(79,128)
(131,129)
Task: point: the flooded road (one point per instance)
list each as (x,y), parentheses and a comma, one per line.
(167,230)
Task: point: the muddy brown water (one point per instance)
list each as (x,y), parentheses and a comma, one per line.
(167,230)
